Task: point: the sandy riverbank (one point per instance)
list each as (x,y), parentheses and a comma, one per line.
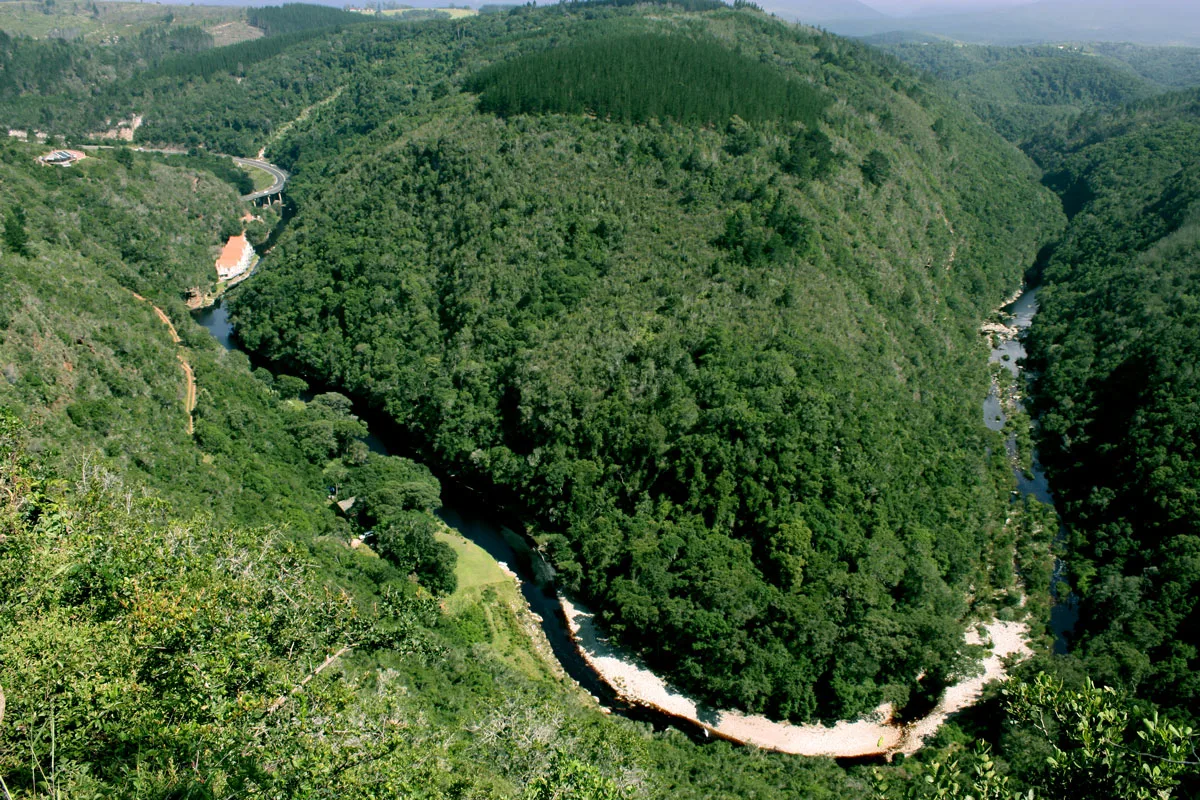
(876,735)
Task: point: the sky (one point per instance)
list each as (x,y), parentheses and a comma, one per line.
(906,7)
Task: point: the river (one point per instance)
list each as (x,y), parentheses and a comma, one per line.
(1009,351)
(465,512)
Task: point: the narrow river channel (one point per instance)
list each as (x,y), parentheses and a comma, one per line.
(1009,351)
(469,516)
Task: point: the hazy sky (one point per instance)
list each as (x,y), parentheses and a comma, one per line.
(901,7)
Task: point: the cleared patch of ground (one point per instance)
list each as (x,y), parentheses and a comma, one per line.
(233,32)
(452,13)
(475,568)
(489,599)
(262,179)
(105,21)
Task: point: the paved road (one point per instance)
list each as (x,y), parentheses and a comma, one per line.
(278,174)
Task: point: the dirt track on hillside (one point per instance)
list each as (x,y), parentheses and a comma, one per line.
(189,394)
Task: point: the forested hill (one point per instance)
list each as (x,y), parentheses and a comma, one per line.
(718,348)
(725,361)
(141,59)
(1032,94)
(172,598)
(1116,345)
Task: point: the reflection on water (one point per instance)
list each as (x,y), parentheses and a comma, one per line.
(993,412)
(216,319)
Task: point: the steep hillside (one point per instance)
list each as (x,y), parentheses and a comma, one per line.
(1112,351)
(715,341)
(138,55)
(1116,347)
(194,588)
(728,372)
(1033,93)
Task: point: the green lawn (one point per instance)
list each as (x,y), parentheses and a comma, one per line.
(262,179)
(485,591)
(475,567)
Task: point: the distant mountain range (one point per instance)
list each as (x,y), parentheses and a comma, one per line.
(1144,21)
(817,12)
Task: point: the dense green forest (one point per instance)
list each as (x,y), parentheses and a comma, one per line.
(721,361)
(1114,344)
(192,581)
(295,17)
(191,586)
(1116,348)
(714,375)
(1032,94)
(695,81)
(73,89)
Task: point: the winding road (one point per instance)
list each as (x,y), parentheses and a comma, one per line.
(278,174)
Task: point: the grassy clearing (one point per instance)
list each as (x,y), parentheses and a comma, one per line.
(490,596)
(232,32)
(476,569)
(452,13)
(262,179)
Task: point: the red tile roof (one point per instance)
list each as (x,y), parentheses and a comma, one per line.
(231,253)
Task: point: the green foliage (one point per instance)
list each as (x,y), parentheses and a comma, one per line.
(136,644)
(294,17)
(405,538)
(1114,345)
(1171,67)
(238,576)
(571,779)
(1031,93)
(973,774)
(675,347)
(695,81)
(222,167)
(16,240)
(234,57)
(725,380)
(809,155)
(876,168)
(1096,749)
(43,82)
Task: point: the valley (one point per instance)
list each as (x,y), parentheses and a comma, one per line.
(584,436)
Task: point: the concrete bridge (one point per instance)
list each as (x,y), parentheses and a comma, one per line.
(274,192)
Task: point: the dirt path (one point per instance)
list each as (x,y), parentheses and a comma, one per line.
(879,734)
(301,117)
(189,394)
